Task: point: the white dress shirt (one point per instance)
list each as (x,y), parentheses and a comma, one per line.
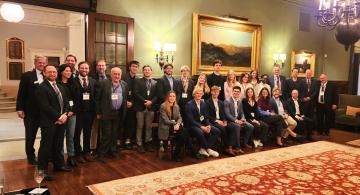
(39,76)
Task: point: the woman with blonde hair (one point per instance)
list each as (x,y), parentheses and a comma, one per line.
(170,123)
(202,84)
(244,84)
(230,83)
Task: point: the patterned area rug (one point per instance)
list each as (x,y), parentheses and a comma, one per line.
(354,142)
(314,168)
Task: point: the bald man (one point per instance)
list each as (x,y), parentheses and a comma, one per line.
(326,104)
(309,93)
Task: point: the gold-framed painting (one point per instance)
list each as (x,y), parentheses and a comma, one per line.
(235,42)
(303,60)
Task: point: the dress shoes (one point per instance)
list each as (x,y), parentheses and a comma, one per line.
(149,148)
(141,149)
(281,145)
(238,151)
(48,177)
(88,158)
(32,161)
(71,161)
(80,159)
(63,169)
(230,152)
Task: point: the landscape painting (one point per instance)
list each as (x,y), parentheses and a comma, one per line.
(235,42)
(233,47)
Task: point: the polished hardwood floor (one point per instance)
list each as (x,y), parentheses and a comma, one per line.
(19,175)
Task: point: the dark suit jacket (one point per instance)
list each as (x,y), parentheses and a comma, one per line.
(140,94)
(183,101)
(330,96)
(96,76)
(217,80)
(193,115)
(103,101)
(275,106)
(312,92)
(131,85)
(71,91)
(291,85)
(230,110)
(79,94)
(26,99)
(291,107)
(282,80)
(212,112)
(50,110)
(163,87)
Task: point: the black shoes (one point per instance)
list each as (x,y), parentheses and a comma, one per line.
(141,149)
(63,169)
(71,161)
(149,148)
(48,177)
(32,161)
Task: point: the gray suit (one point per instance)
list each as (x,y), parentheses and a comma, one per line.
(229,109)
(165,122)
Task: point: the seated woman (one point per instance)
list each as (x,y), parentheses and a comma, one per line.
(170,123)
(202,84)
(268,115)
(252,115)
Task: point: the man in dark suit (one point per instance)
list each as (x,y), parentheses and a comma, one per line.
(27,107)
(145,94)
(293,83)
(111,98)
(85,112)
(277,80)
(216,78)
(53,115)
(326,104)
(187,87)
(71,61)
(199,125)
(217,118)
(130,122)
(296,111)
(309,93)
(167,83)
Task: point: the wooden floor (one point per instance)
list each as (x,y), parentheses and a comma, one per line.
(19,175)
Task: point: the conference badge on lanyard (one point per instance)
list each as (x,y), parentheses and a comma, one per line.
(114,96)
(202,118)
(86,96)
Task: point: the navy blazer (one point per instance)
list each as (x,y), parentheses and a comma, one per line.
(312,92)
(140,94)
(275,106)
(163,87)
(283,83)
(212,112)
(193,115)
(80,95)
(331,97)
(291,107)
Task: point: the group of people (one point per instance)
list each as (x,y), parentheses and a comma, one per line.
(119,110)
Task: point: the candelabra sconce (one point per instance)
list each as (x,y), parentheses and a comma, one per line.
(164,53)
(279,57)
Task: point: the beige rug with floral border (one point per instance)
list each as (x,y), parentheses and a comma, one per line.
(354,142)
(313,168)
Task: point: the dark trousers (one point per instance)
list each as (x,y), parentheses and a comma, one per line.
(277,121)
(206,140)
(31,127)
(325,118)
(180,139)
(130,125)
(109,134)
(305,126)
(51,145)
(309,109)
(84,122)
(260,131)
(224,135)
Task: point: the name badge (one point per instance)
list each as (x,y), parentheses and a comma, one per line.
(71,103)
(219,87)
(184,95)
(129,92)
(148,92)
(252,114)
(86,96)
(114,96)
(202,118)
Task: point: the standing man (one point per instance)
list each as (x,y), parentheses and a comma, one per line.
(130,122)
(27,107)
(167,83)
(53,115)
(293,83)
(111,108)
(145,90)
(236,119)
(326,105)
(277,80)
(85,112)
(71,60)
(309,93)
(215,79)
(296,111)
(187,87)
(100,70)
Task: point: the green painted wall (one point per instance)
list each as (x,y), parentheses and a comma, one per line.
(171,21)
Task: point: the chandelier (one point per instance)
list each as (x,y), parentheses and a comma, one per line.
(342,15)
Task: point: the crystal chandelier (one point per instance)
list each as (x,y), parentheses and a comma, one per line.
(342,15)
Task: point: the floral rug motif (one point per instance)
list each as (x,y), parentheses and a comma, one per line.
(354,142)
(313,168)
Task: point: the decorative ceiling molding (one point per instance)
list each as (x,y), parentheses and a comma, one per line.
(310,4)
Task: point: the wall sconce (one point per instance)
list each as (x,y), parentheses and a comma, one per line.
(165,53)
(279,57)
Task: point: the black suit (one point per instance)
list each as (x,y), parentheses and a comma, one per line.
(212,118)
(130,122)
(163,87)
(282,84)
(309,91)
(111,119)
(52,135)
(216,80)
(291,85)
(26,102)
(305,126)
(325,114)
(85,114)
(140,94)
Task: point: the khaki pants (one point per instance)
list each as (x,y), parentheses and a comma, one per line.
(291,124)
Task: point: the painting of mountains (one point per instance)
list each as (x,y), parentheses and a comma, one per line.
(232,46)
